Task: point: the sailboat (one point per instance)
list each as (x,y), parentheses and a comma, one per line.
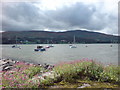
(50,45)
(16,46)
(73,46)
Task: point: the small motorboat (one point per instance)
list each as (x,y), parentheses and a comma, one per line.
(73,46)
(51,46)
(47,47)
(36,49)
(110,45)
(40,48)
(15,46)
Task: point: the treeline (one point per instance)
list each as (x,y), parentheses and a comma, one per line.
(44,37)
(52,41)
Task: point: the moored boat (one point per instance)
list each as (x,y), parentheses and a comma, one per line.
(73,46)
(16,46)
(51,46)
(40,48)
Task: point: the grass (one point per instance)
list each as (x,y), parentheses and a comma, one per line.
(66,75)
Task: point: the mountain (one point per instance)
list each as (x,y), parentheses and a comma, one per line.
(31,37)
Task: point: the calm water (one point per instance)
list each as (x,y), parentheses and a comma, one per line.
(61,52)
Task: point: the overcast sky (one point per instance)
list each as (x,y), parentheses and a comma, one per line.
(56,15)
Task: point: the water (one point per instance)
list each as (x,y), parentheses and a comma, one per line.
(61,52)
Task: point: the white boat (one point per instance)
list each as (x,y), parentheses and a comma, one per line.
(73,46)
(49,45)
(16,46)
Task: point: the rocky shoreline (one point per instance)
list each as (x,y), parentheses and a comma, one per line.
(20,74)
(8,64)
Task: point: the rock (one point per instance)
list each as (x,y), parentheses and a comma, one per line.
(45,66)
(9,60)
(84,85)
(37,79)
(7,68)
(3,59)
(17,61)
(40,65)
(14,62)
(2,63)
(43,76)
(50,67)
(49,74)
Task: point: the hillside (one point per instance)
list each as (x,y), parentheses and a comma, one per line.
(26,37)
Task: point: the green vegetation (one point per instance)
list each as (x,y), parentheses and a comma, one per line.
(88,70)
(31,71)
(63,75)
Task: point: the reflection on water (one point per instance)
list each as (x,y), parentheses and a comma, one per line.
(61,52)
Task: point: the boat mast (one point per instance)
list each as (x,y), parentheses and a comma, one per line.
(16,40)
(47,41)
(74,39)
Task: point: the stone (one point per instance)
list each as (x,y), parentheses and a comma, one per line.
(7,68)
(46,66)
(49,74)
(84,85)
(14,62)
(2,62)
(3,59)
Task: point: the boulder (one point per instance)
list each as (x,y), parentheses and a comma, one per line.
(7,68)
(84,85)
(2,62)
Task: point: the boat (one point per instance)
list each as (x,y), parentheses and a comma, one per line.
(40,48)
(73,46)
(49,45)
(16,46)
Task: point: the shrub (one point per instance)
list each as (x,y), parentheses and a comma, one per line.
(69,71)
(31,71)
(111,74)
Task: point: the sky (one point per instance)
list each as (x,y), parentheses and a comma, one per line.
(60,15)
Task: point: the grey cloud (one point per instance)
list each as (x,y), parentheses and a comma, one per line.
(25,16)
(20,16)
